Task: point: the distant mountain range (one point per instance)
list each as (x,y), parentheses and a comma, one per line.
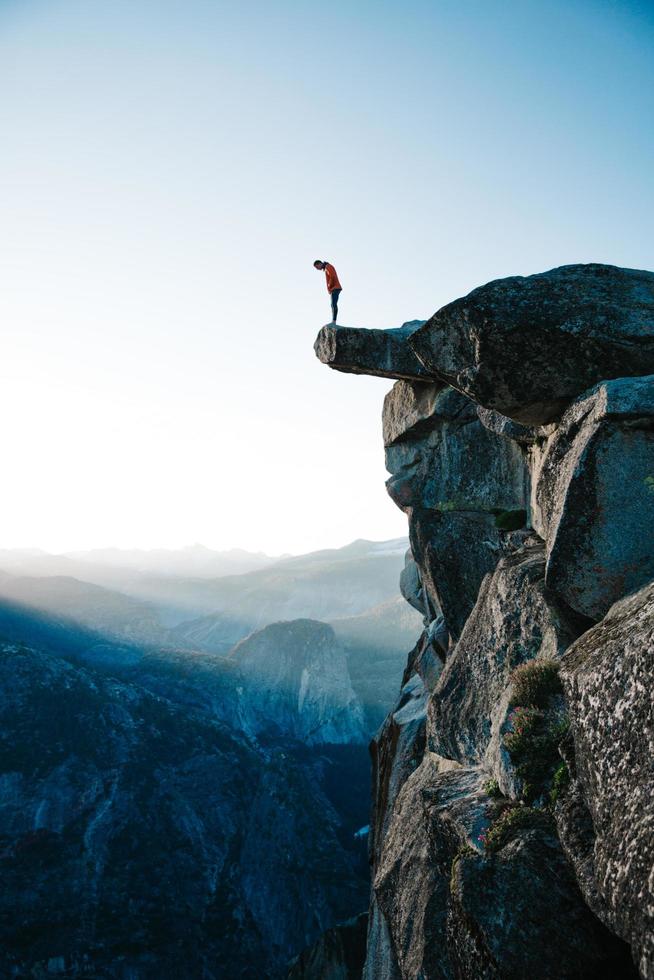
(320,585)
(194,561)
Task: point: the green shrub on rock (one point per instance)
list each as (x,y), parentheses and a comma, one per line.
(533,744)
(492,788)
(510,821)
(538,723)
(560,782)
(535,682)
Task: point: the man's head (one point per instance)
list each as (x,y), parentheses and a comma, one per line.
(319,264)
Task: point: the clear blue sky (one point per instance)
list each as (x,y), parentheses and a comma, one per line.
(171,168)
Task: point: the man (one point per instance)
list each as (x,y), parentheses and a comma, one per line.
(333,285)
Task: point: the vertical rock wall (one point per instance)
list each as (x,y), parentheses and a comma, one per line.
(513,805)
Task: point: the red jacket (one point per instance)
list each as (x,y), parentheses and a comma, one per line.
(332,278)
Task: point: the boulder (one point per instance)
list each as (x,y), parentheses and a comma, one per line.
(525,435)
(593,495)
(520,914)
(411,586)
(412,408)
(447,460)
(608,677)
(527,346)
(381,353)
(515,619)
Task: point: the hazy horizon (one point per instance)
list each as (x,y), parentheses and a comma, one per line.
(197,545)
(171,170)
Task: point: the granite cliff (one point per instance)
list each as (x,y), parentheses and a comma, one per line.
(512,829)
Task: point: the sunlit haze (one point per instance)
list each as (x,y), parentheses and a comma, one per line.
(169,172)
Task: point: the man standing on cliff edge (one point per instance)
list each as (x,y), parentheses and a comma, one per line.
(333,285)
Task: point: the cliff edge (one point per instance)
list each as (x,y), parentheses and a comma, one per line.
(512,829)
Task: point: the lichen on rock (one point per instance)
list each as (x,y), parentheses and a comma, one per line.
(608,675)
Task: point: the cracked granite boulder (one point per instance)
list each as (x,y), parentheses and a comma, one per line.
(440,456)
(608,677)
(455,550)
(457,481)
(593,496)
(519,913)
(515,619)
(527,346)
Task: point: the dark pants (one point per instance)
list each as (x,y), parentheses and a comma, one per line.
(335,293)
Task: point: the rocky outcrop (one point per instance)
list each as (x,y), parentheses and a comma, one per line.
(524,346)
(383,353)
(450,911)
(608,677)
(527,346)
(521,915)
(455,550)
(396,751)
(512,824)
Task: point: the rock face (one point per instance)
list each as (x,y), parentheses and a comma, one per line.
(608,676)
(515,620)
(454,478)
(512,826)
(593,493)
(450,912)
(548,931)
